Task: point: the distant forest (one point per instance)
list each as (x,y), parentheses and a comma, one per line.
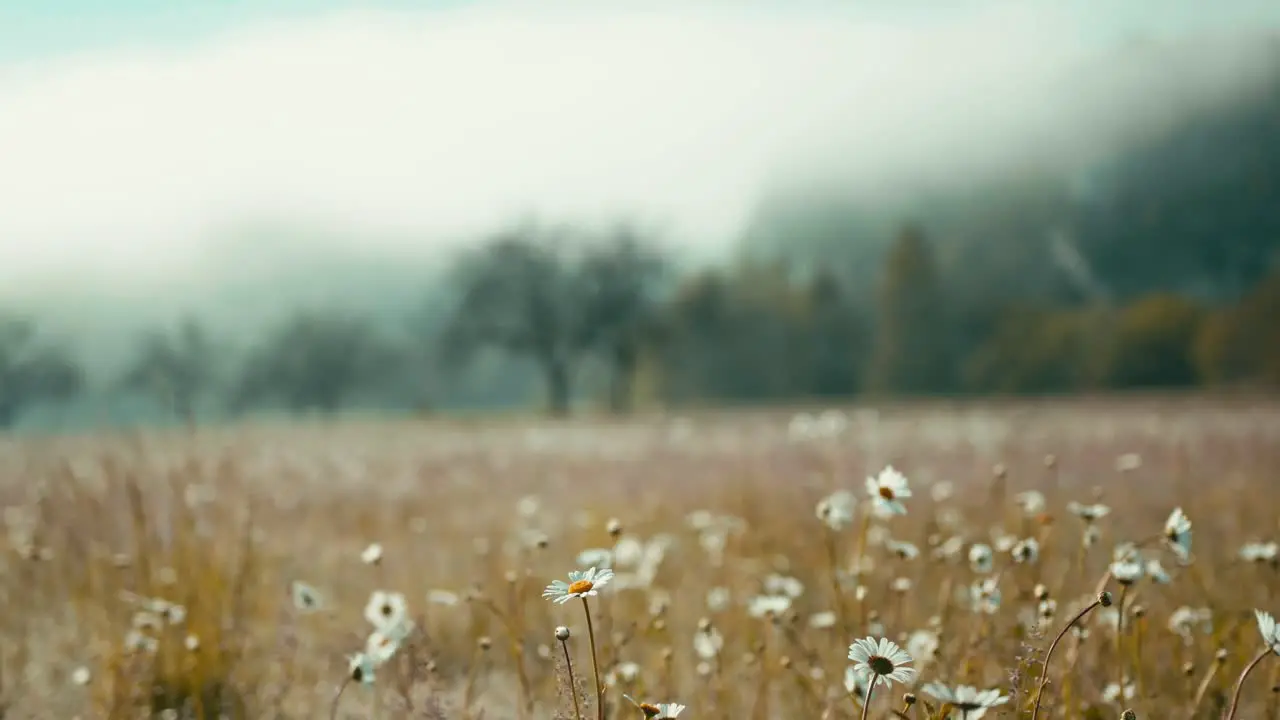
(1160,269)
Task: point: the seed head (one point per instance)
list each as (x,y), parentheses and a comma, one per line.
(485,642)
(1042,592)
(1220,655)
(909,699)
(1128,715)
(1188,669)
(1104,599)
(785,662)
(614,527)
(562,633)
(1139,611)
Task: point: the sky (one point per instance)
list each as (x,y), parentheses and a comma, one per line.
(136,133)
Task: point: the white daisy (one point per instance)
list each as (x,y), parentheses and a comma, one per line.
(967,702)
(1088,513)
(708,643)
(882,660)
(922,645)
(768,605)
(822,620)
(981,559)
(1126,571)
(1186,620)
(1267,627)
(660,711)
(903,550)
(887,490)
(386,610)
(360,668)
(371,555)
(1114,692)
(985,596)
(1031,502)
(836,509)
(1155,570)
(1026,551)
(855,684)
(1177,532)
(582,584)
(595,557)
(1259,552)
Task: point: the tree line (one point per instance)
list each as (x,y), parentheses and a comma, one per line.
(659,335)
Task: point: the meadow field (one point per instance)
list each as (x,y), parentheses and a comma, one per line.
(401,569)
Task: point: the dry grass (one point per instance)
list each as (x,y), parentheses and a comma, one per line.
(223,522)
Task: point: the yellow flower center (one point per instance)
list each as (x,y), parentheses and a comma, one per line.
(886,492)
(580,586)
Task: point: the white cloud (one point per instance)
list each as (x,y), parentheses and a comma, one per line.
(437,125)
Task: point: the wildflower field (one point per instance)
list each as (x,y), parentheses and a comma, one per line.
(919,561)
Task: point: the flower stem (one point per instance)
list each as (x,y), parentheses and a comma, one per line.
(573,685)
(1235,696)
(1124,590)
(337,697)
(595,663)
(1044,669)
(871,688)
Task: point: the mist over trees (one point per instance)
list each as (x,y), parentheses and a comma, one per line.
(1156,269)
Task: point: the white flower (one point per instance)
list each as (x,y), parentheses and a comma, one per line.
(1156,572)
(882,659)
(371,555)
(708,643)
(1259,552)
(1126,571)
(887,490)
(1113,692)
(767,605)
(1088,513)
(1091,536)
(1026,551)
(81,676)
(360,668)
(904,550)
(922,644)
(985,596)
(305,598)
(1185,620)
(822,620)
(1267,627)
(968,702)
(581,585)
(627,552)
(136,641)
(901,585)
(191,642)
(386,610)
(783,585)
(1031,502)
(980,558)
(836,509)
(660,711)
(1177,532)
(855,683)
(595,557)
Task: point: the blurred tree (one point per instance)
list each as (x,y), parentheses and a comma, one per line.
(177,368)
(1037,350)
(31,372)
(911,340)
(315,360)
(619,281)
(838,338)
(1241,343)
(1153,341)
(518,293)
